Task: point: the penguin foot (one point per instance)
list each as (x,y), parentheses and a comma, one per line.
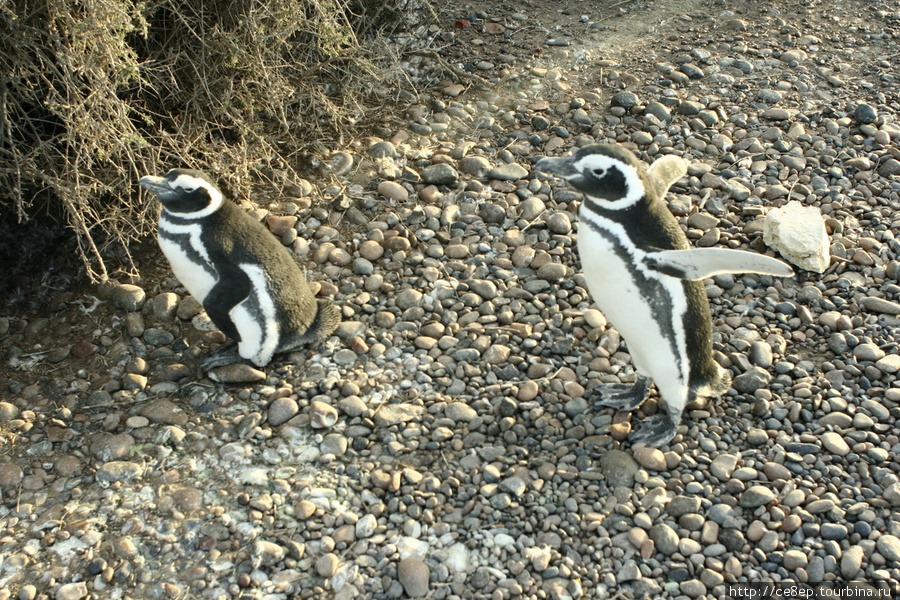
(222,356)
(622,396)
(655,431)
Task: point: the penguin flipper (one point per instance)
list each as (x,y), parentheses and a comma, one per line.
(702,263)
(666,171)
(232,288)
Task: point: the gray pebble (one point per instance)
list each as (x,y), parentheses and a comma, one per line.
(440,174)
(757,495)
(414,576)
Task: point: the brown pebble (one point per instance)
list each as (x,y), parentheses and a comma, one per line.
(280,224)
(239,373)
(83,349)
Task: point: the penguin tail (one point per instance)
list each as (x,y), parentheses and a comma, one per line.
(328,317)
(722,382)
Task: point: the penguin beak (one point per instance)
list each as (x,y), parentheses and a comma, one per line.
(560,167)
(157,185)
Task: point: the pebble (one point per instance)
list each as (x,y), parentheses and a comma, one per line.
(508,172)
(440,174)
(722,466)
(414,576)
(129,297)
(757,495)
(72,591)
(650,458)
(889,547)
(393,191)
(282,410)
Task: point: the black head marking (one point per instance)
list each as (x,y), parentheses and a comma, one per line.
(185,192)
(603,172)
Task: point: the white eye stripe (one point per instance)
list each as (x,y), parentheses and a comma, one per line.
(188,183)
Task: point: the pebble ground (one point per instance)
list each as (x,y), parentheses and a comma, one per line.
(444,444)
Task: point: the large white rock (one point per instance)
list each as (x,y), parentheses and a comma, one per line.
(798,233)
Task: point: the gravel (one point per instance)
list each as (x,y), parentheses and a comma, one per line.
(443,443)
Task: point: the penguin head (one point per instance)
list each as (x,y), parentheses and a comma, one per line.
(184,192)
(605,172)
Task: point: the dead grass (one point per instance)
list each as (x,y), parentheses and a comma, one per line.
(96,93)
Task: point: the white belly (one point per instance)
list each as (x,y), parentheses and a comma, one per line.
(256,320)
(655,352)
(192,276)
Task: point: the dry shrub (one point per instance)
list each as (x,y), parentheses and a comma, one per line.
(96,93)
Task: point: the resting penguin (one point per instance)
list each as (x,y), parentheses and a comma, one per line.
(644,276)
(247,281)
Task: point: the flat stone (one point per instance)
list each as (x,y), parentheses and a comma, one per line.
(394,414)
(665,538)
(508,172)
(757,495)
(798,233)
(393,191)
(414,576)
(619,468)
(237,373)
(755,378)
(440,174)
(880,305)
(650,458)
(723,466)
(889,547)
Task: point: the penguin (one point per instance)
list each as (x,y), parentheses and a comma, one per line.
(643,274)
(246,280)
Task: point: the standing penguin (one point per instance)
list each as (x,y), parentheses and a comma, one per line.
(246,280)
(643,274)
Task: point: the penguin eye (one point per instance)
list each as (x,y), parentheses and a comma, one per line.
(599,172)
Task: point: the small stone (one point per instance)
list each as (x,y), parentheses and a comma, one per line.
(851,562)
(268,553)
(327,564)
(107,447)
(769,96)
(889,168)
(665,538)
(128,297)
(619,468)
(8,411)
(440,174)
(508,172)
(166,412)
(322,415)
(650,458)
(755,378)
(794,559)
(393,191)
(868,352)
(865,114)
(72,591)
(757,495)
(560,223)
(835,443)
(380,149)
(476,166)
(118,472)
(413,575)
(281,410)
(626,100)
(237,373)
(722,466)
(889,547)
(880,305)
(798,233)
(552,271)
